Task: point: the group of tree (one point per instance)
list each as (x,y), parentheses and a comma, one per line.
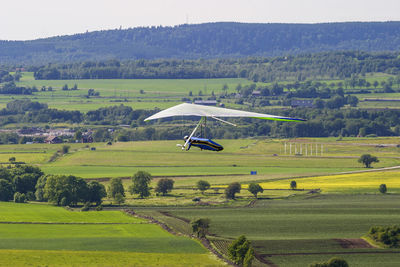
(387,235)
(23,183)
(140,186)
(11,89)
(20,180)
(6,76)
(66,88)
(332,65)
(66,190)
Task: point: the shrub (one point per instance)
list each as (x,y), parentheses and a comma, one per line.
(293,185)
(383,188)
(333,262)
(19,197)
(86,207)
(241,252)
(119,199)
(30,196)
(65,149)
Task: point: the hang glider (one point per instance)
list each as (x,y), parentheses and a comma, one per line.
(186,109)
(216,113)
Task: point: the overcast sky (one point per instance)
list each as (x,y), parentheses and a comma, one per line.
(27,19)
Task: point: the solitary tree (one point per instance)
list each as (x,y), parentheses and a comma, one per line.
(383,188)
(203,185)
(141,181)
(367,159)
(115,188)
(200,227)
(255,189)
(232,189)
(293,185)
(164,186)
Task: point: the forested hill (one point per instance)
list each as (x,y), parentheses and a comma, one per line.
(209,40)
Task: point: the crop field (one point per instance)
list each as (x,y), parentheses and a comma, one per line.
(306,229)
(47,235)
(353,183)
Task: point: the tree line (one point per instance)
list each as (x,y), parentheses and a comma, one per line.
(23,183)
(328,65)
(208,40)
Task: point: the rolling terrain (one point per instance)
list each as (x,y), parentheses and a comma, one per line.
(209,40)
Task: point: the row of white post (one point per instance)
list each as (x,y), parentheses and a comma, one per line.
(307,149)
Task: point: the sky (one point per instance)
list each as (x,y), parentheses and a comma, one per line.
(27,19)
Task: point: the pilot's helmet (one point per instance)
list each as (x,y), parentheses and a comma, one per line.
(186,137)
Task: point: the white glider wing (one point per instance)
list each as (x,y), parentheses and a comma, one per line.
(186,109)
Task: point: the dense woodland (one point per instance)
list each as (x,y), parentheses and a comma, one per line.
(209,40)
(339,65)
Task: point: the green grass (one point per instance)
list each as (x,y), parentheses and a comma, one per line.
(102,258)
(43,213)
(46,235)
(160,93)
(162,158)
(148,238)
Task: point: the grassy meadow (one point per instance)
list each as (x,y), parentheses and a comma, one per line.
(52,236)
(239,158)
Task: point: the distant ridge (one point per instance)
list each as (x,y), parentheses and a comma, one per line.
(208,40)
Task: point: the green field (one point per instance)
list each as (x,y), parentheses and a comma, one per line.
(163,158)
(43,213)
(47,235)
(102,258)
(156,93)
(160,93)
(287,227)
(304,227)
